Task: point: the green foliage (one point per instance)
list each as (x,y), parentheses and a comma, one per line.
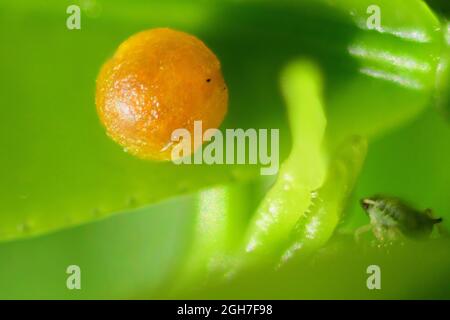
(59,169)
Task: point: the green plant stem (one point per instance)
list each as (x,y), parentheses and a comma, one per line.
(302,172)
(325,212)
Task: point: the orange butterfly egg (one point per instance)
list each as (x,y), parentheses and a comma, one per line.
(158,81)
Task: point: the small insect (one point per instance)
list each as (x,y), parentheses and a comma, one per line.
(392,219)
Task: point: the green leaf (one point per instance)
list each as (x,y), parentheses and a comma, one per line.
(396,67)
(127,256)
(58,168)
(442,95)
(339,271)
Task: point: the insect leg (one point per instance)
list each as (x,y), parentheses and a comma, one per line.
(443,232)
(360,231)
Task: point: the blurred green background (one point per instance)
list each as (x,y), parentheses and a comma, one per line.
(61,178)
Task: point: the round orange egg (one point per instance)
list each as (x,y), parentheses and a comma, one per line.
(158,81)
